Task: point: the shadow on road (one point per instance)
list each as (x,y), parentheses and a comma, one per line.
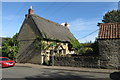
(115,76)
(62,78)
(52,79)
(76,70)
(66,76)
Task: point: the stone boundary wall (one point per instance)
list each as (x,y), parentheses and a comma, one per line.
(108,58)
(77,61)
(109,51)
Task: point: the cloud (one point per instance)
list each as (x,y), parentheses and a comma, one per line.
(91,38)
(11,17)
(83,24)
(83,27)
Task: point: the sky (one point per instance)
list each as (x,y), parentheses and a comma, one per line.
(82,17)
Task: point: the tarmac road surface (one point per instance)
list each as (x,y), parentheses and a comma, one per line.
(27,72)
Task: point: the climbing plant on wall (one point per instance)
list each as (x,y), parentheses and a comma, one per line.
(75,44)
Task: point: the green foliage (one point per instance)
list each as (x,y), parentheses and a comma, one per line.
(38,43)
(41,45)
(87,44)
(95,47)
(75,43)
(0,50)
(89,48)
(86,50)
(10,47)
(58,54)
(112,16)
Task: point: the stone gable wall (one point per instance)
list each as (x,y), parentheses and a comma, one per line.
(109,51)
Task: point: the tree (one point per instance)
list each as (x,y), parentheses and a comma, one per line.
(112,16)
(10,47)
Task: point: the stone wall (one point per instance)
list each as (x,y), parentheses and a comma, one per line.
(109,51)
(77,61)
(109,57)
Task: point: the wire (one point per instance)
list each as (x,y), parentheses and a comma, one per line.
(88,34)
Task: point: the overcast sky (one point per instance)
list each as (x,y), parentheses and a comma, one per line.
(81,16)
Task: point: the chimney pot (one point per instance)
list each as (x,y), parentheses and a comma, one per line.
(66,24)
(30,11)
(30,7)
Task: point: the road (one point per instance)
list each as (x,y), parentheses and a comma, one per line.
(32,73)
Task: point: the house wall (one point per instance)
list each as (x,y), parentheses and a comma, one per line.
(64,45)
(36,56)
(26,38)
(109,51)
(45,55)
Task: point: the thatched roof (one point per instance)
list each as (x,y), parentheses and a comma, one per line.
(50,29)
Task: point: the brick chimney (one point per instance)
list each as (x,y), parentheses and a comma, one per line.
(30,11)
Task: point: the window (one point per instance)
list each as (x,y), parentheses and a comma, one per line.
(64,43)
(51,52)
(60,51)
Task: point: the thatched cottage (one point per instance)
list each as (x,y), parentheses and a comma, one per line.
(51,33)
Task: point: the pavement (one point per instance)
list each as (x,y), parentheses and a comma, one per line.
(94,70)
